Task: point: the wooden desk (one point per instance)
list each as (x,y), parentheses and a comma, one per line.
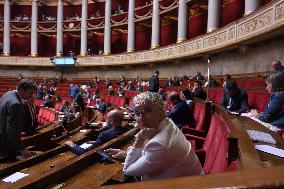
(269,160)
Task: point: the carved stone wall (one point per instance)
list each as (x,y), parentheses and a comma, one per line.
(249,59)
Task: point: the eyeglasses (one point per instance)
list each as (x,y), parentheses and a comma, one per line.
(143,113)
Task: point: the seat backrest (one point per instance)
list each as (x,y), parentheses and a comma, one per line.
(216,146)
(199,115)
(212,94)
(202,114)
(218,97)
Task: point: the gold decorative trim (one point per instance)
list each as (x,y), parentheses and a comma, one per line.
(130,50)
(83,53)
(107,53)
(211,30)
(33,55)
(58,54)
(154,46)
(247,13)
(268,19)
(6,54)
(180,40)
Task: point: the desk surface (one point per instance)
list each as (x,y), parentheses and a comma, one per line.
(267,159)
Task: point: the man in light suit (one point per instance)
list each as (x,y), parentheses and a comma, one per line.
(160,150)
(12,119)
(114,122)
(154,82)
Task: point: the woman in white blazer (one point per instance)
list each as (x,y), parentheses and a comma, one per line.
(160,150)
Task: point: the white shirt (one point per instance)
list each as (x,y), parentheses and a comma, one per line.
(167,155)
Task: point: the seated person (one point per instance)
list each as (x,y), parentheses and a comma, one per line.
(139,86)
(120,91)
(234,98)
(47,101)
(160,150)
(198,91)
(211,83)
(274,112)
(131,86)
(227,78)
(110,91)
(186,95)
(198,76)
(277,66)
(102,105)
(180,112)
(114,122)
(162,93)
(65,106)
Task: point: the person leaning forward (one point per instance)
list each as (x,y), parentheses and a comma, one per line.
(12,119)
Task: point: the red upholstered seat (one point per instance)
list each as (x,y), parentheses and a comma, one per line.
(215,147)
(219,95)
(258,100)
(202,116)
(212,94)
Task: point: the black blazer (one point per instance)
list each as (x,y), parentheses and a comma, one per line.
(30,119)
(181,114)
(154,83)
(11,123)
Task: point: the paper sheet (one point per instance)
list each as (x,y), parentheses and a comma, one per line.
(85,146)
(15,177)
(267,125)
(83,131)
(270,150)
(261,136)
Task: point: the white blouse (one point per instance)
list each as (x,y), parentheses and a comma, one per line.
(167,155)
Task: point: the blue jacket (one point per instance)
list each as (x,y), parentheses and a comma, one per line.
(74,90)
(103,137)
(181,114)
(274,112)
(102,107)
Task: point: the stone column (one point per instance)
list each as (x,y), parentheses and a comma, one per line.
(34,52)
(131,27)
(59,29)
(6,33)
(84,34)
(214,14)
(182,21)
(107,32)
(251,6)
(155,40)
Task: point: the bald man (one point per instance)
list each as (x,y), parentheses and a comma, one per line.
(114,122)
(277,66)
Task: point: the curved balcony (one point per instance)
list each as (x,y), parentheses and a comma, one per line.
(267,21)
(141,14)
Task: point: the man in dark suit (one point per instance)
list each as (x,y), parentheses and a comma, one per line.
(154,82)
(180,113)
(234,98)
(114,122)
(30,119)
(12,119)
(198,91)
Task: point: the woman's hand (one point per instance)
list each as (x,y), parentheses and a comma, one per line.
(254,112)
(147,133)
(143,135)
(116,153)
